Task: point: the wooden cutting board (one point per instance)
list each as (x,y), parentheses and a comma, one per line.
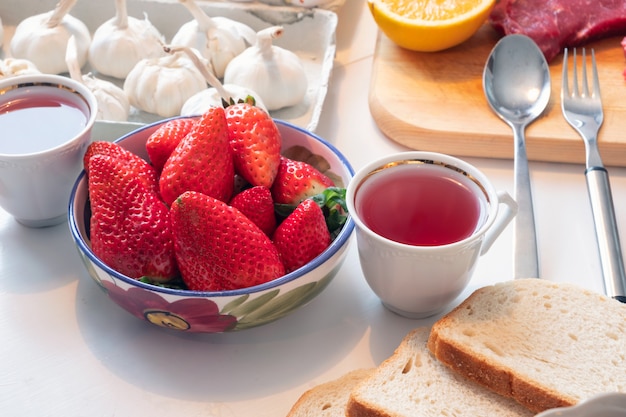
(435,102)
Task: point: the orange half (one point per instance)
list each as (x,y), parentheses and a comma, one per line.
(429,25)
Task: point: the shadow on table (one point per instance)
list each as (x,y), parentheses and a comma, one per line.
(253,363)
(250,364)
(37,260)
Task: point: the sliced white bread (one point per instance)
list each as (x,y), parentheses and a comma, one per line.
(328,399)
(412,383)
(542,343)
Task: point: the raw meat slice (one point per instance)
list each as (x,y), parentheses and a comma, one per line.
(556,24)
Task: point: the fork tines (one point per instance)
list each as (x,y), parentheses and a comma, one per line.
(595,93)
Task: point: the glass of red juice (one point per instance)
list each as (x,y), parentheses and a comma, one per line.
(423,219)
(46,122)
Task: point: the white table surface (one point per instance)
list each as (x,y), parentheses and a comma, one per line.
(66,350)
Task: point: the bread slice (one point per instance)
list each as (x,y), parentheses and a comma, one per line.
(542,343)
(328,399)
(412,383)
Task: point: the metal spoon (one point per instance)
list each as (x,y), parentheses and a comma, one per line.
(516,81)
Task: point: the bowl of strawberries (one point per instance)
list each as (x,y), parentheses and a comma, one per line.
(215,223)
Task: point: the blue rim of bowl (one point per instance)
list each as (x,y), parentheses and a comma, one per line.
(330,251)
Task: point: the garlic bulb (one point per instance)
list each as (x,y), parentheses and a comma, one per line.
(120,42)
(218,39)
(42,38)
(12,67)
(112,101)
(277,74)
(217,95)
(161,85)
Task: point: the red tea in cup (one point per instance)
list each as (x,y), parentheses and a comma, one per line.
(39,119)
(420,203)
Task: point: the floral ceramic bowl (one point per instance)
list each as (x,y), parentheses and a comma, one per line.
(603,405)
(223,311)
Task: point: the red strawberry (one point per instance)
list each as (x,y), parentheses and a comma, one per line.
(218,248)
(201,162)
(130,226)
(296,181)
(302,236)
(255,141)
(162,142)
(134,162)
(256,204)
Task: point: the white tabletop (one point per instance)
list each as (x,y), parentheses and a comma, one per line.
(67,350)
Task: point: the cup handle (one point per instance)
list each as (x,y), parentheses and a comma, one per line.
(503,219)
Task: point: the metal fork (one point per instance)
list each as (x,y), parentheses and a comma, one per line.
(583,111)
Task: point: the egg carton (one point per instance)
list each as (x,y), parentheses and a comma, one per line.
(309,32)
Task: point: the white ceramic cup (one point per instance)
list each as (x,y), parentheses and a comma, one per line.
(38,169)
(413,279)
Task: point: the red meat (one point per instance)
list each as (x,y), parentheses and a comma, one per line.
(556,24)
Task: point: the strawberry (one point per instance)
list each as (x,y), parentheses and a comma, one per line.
(218,248)
(135,163)
(201,162)
(256,204)
(130,226)
(255,141)
(296,181)
(162,142)
(302,236)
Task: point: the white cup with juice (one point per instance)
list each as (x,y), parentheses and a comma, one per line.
(45,129)
(423,219)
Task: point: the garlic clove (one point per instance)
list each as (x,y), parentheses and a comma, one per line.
(237,29)
(222,47)
(162,85)
(218,95)
(218,39)
(42,38)
(12,67)
(113,104)
(275,73)
(120,42)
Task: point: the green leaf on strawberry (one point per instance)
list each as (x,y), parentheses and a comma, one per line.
(175,283)
(231,102)
(332,201)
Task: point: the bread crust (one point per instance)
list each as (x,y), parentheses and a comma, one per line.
(407,358)
(501,381)
(469,362)
(328,398)
(356,409)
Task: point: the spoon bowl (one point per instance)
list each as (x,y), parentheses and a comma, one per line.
(516,82)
